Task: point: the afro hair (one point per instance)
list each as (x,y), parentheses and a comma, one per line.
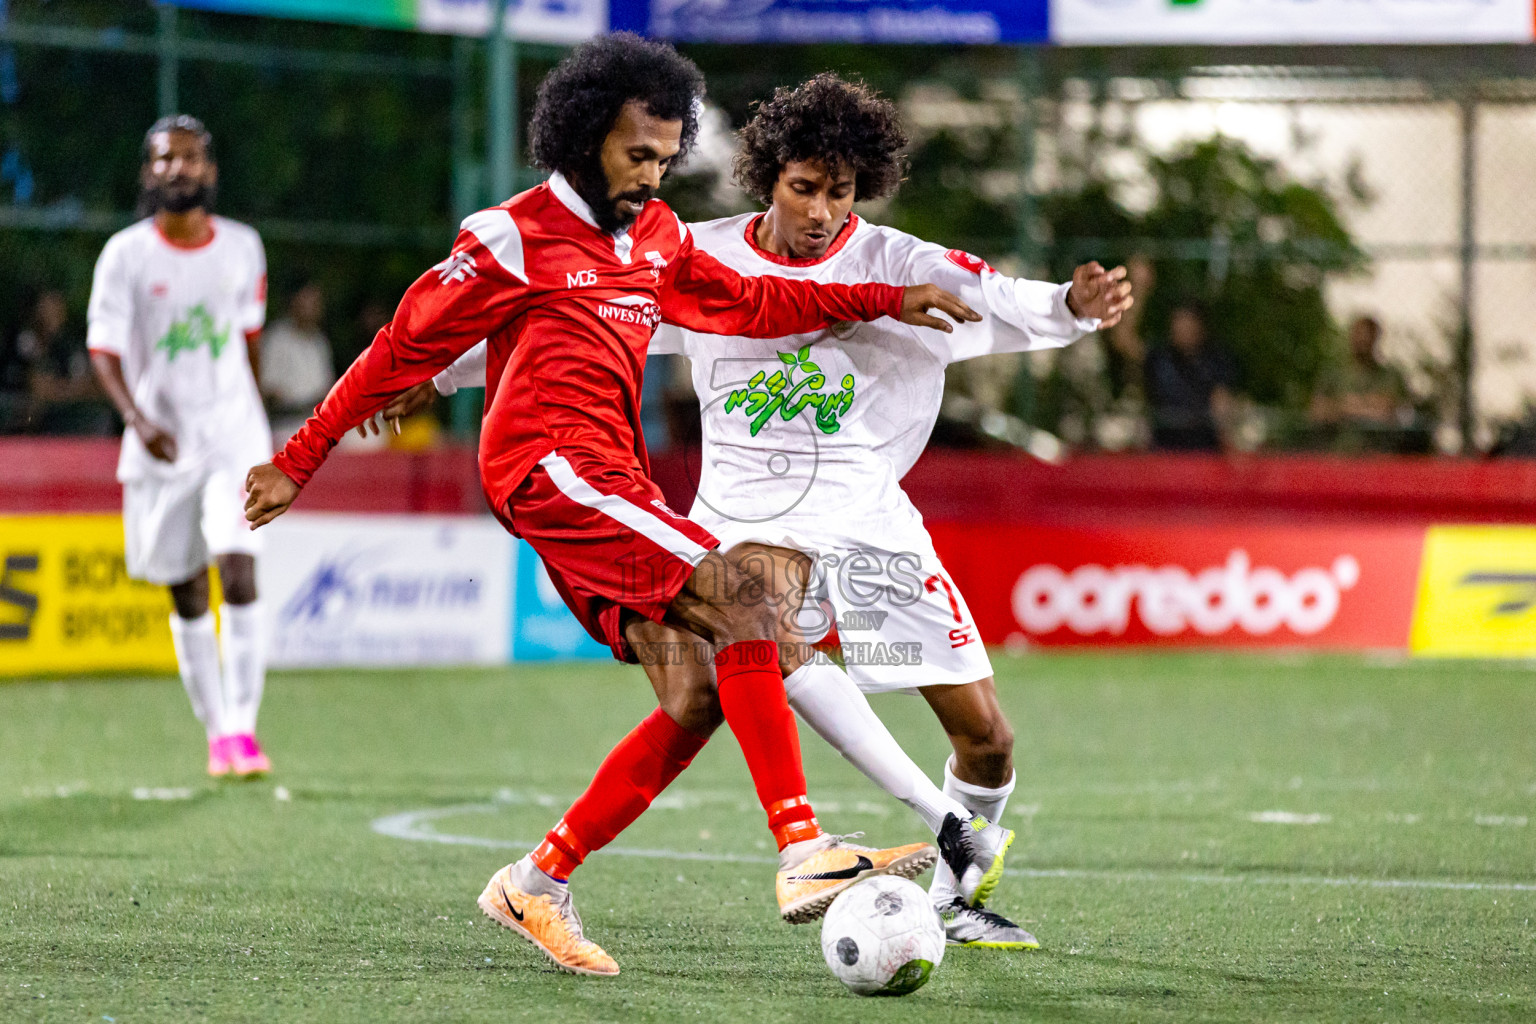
(581,98)
(830,121)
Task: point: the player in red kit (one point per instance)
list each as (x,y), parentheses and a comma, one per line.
(567,282)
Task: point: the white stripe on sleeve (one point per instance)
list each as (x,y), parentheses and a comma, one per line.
(498,232)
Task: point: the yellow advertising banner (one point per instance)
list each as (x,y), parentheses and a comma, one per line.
(1477,593)
(67,604)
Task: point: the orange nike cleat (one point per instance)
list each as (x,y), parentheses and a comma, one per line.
(548,918)
(812,873)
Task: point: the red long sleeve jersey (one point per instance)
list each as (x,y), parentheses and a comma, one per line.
(568,310)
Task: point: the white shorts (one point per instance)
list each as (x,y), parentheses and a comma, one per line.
(174,526)
(900,619)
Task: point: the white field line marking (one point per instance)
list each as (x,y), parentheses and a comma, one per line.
(1287,818)
(161,793)
(415,826)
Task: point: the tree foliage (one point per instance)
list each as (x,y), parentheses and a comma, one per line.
(1237,231)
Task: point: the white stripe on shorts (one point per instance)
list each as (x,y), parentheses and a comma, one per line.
(614,507)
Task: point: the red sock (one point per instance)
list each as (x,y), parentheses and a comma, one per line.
(632,775)
(752,697)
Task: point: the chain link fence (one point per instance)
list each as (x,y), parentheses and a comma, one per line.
(1426,174)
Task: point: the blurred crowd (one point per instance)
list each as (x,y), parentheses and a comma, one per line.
(47,386)
(1177,388)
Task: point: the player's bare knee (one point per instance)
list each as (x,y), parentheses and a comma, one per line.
(237,578)
(697,710)
(984,755)
(190,597)
(748,620)
(745,611)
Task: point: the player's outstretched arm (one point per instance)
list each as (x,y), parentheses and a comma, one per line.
(467,371)
(703,294)
(268,492)
(467,297)
(1019,315)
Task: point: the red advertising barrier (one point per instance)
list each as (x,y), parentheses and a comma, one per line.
(1252,585)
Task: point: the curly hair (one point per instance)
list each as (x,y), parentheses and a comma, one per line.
(829,120)
(581,98)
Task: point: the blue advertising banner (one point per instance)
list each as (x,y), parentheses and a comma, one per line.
(835,21)
(543,628)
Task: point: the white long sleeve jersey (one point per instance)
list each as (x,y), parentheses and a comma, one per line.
(825,425)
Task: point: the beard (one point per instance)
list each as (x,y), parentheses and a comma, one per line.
(177,197)
(605,210)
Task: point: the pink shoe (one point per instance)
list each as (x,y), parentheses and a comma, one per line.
(219,756)
(245,756)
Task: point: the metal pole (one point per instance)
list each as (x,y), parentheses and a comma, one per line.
(501,108)
(469,186)
(1466,410)
(1022,397)
(1029,88)
(464,197)
(169,63)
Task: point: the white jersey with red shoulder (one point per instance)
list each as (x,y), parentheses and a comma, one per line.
(178,318)
(826,424)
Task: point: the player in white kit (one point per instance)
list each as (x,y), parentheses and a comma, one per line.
(806,440)
(177,307)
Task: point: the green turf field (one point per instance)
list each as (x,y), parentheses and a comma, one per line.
(1391,874)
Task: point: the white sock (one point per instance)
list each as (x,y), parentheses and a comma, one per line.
(197,657)
(988,803)
(245,663)
(534,880)
(831,704)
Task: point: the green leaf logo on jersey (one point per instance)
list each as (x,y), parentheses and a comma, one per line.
(781,393)
(193,332)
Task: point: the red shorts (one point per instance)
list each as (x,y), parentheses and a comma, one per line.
(608,540)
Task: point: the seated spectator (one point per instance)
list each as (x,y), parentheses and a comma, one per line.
(62,396)
(13,385)
(296,365)
(1189,386)
(1364,401)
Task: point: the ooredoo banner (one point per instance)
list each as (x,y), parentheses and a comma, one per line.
(1187,585)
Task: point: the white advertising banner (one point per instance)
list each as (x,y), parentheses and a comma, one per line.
(387,590)
(1111,22)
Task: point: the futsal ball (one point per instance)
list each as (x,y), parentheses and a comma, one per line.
(882,937)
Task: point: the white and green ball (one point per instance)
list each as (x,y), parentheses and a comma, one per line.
(882,937)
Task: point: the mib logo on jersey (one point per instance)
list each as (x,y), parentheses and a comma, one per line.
(192,332)
(781,393)
(965,261)
(581,279)
(631,309)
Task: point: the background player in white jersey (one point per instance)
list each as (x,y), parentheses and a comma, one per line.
(806,440)
(177,307)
